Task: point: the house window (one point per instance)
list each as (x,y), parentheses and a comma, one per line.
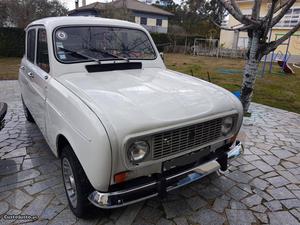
(143,20)
(224,22)
(290,19)
(159,22)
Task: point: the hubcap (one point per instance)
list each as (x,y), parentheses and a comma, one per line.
(69,182)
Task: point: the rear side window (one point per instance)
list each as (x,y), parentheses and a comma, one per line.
(42,59)
(31,45)
(159,22)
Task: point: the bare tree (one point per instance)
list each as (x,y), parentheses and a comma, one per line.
(258,28)
(175,32)
(21,12)
(119,12)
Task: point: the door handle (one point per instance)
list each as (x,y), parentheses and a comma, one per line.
(22,67)
(30,74)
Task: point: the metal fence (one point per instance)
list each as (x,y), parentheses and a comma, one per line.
(211,47)
(205,51)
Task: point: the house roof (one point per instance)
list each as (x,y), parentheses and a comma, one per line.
(129,4)
(95,5)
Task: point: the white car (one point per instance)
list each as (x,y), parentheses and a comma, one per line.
(125,127)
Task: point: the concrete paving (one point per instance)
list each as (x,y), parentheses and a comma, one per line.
(262,187)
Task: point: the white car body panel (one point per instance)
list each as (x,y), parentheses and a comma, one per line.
(149,99)
(82,129)
(98,112)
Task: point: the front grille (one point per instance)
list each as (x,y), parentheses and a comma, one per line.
(185,138)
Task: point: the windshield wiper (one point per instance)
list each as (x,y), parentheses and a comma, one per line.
(80,54)
(115,57)
(108,53)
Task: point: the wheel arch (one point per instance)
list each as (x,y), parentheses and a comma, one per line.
(61,142)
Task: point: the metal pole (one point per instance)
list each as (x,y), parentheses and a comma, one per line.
(195,46)
(218,49)
(286,52)
(271,63)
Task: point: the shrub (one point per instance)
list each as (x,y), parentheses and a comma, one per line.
(12,42)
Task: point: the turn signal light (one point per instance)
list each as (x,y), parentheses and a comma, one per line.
(232,140)
(120,177)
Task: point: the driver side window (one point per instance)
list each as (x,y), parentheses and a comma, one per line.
(30,50)
(42,59)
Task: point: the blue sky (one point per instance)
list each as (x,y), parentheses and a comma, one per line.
(70,4)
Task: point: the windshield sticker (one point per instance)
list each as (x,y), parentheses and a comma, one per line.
(62,55)
(61,35)
(59,45)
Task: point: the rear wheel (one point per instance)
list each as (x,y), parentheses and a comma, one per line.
(28,115)
(76,183)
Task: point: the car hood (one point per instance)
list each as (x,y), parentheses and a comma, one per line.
(133,101)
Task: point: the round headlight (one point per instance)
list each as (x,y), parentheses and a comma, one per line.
(138,151)
(227,125)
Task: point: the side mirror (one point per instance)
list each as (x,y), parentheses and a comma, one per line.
(162,56)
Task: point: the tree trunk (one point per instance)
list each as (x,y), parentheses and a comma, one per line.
(250,71)
(185,44)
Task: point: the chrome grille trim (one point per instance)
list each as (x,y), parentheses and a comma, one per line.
(182,139)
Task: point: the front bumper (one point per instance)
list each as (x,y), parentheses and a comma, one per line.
(148,190)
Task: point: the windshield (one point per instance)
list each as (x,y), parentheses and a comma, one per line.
(78,44)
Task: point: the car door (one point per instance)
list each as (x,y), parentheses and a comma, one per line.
(26,68)
(40,73)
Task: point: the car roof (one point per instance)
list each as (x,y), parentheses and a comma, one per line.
(53,22)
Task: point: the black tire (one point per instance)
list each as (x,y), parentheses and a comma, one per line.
(83,207)
(3,110)
(27,114)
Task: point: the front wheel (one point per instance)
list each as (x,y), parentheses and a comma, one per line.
(76,183)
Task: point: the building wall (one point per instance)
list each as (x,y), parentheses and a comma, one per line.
(226,39)
(151,22)
(230,39)
(294,47)
(137,19)
(165,23)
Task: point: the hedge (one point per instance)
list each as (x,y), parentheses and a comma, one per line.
(160,40)
(12,42)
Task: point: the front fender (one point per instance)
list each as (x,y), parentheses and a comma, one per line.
(67,115)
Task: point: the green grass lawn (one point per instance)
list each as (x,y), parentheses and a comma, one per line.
(277,89)
(9,68)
